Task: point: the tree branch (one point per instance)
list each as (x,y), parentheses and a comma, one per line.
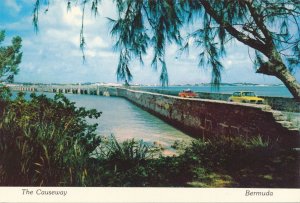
(254,33)
(256,44)
(258,18)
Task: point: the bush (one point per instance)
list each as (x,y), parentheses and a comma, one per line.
(45,141)
(134,163)
(122,164)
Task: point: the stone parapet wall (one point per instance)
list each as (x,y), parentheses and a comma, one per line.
(203,117)
(283,103)
(277,103)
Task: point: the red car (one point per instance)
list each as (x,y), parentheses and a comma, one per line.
(188,94)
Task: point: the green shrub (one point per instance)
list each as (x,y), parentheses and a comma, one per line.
(134,163)
(45,141)
(122,164)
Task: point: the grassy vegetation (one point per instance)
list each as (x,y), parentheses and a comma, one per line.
(214,162)
(48,142)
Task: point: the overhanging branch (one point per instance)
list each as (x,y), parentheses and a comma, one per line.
(259,22)
(256,44)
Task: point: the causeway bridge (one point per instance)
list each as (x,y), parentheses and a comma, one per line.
(198,117)
(65,89)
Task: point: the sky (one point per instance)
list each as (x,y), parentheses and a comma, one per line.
(53,54)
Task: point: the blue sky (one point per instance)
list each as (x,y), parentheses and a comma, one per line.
(53,55)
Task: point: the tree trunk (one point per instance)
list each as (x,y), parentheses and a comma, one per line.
(275,66)
(290,82)
(279,70)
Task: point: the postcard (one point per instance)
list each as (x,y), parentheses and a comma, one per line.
(149,101)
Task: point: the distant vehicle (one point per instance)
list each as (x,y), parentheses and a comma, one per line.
(246,97)
(188,94)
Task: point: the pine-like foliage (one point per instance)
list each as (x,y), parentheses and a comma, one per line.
(10,58)
(269,27)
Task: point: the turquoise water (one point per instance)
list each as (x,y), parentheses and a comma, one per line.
(125,120)
(276,91)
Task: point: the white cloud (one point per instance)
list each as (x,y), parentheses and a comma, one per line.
(90,53)
(73,17)
(97,42)
(108,54)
